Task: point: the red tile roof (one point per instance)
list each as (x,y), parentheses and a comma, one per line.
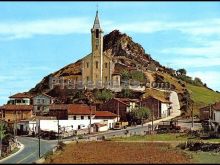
(104,114)
(163,100)
(58,107)
(21,95)
(9,107)
(80,109)
(216,106)
(74,109)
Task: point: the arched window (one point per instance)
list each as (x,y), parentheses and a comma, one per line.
(97,64)
(97,33)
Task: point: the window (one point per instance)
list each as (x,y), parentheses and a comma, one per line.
(97,33)
(97,64)
(42,100)
(87,78)
(87,64)
(23,101)
(82,117)
(106,65)
(106,78)
(74,117)
(88,117)
(38,101)
(38,108)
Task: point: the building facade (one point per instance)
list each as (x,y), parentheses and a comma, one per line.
(41,103)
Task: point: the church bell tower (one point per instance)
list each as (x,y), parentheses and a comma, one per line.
(97,51)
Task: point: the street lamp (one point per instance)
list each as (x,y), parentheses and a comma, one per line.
(89,103)
(39,137)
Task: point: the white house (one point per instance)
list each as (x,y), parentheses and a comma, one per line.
(216,112)
(20,99)
(78,117)
(101,121)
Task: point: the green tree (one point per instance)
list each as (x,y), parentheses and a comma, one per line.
(198,81)
(2,135)
(125,75)
(139,114)
(104,95)
(138,76)
(126,93)
(181,71)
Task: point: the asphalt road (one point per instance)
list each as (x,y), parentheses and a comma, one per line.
(30,152)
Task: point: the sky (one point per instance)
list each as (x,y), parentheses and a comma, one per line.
(39,38)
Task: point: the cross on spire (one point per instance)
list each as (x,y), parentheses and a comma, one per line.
(97,7)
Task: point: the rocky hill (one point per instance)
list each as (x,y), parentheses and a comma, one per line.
(128,55)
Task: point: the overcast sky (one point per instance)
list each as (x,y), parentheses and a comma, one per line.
(38,38)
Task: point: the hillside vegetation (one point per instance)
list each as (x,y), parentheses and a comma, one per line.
(202,96)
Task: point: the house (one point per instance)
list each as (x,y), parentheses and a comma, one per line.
(120,106)
(16,112)
(205,113)
(78,117)
(20,99)
(216,112)
(41,103)
(71,111)
(160,107)
(31,125)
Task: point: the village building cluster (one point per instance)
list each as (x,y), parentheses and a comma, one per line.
(26,112)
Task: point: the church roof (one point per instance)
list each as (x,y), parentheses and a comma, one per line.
(96,22)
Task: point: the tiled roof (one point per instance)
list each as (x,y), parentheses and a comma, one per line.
(216,106)
(163,100)
(74,109)
(44,95)
(58,107)
(9,107)
(21,95)
(104,114)
(80,109)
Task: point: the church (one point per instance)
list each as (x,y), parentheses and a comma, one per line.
(98,67)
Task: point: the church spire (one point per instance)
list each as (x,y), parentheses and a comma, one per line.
(96,22)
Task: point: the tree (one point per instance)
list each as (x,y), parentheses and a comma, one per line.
(104,95)
(139,114)
(2,135)
(138,76)
(181,71)
(198,81)
(125,75)
(126,93)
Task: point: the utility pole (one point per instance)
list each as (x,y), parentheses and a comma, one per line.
(39,132)
(118,112)
(58,126)
(152,119)
(90,119)
(210,111)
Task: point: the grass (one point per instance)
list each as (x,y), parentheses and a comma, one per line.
(202,96)
(156,137)
(164,137)
(204,157)
(12,152)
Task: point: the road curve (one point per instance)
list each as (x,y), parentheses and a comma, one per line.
(30,153)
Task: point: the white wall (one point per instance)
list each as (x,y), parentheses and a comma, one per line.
(164,110)
(52,125)
(217,116)
(174,101)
